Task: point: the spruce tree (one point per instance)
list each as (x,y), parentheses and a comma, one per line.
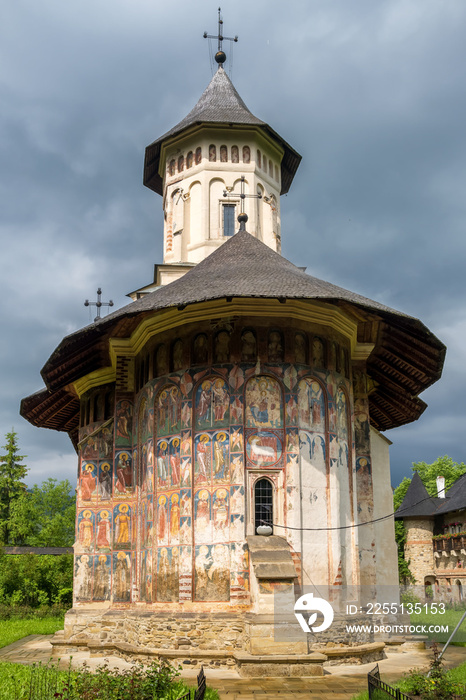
(12,473)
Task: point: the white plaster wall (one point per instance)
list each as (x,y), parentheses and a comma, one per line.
(386,554)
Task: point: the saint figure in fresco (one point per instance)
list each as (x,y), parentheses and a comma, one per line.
(83,579)
(103,530)
(163,575)
(203,510)
(203,406)
(105,483)
(177,355)
(162,466)
(175,463)
(185,472)
(317,353)
(300,348)
(122,577)
(123,412)
(86,530)
(162,517)
(248,346)
(200,354)
(275,347)
(219,456)
(122,525)
(88,482)
(220,399)
(202,448)
(220,511)
(174,517)
(222,347)
(124,473)
(201,564)
(102,579)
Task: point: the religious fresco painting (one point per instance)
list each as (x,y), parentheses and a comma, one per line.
(174,519)
(220,515)
(202,516)
(105,481)
(311,405)
(102,577)
(168,574)
(83,577)
(123,478)
(86,530)
(124,417)
(122,577)
(264,403)
(88,482)
(263,449)
(103,540)
(122,526)
(162,519)
(168,411)
(146,576)
(212,404)
(212,572)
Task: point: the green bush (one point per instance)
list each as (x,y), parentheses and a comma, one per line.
(36,581)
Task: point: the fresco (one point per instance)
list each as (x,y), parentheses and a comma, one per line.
(123,415)
(174,519)
(220,515)
(162,519)
(88,482)
(123,474)
(212,404)
(122,577)
(275,347)
(263,449)
(168,574)
(105,481)
(122,526)
(263,403)
(168,462)
(83,575)
(86,530)
(212,572)
(202,516)
(102,574)
(146,576)
(311,405)
(103,538)
(168,411)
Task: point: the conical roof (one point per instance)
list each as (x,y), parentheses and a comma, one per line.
(417,502)
(406,359)
(220,103)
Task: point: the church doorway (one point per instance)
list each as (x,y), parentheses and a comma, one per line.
(263,503)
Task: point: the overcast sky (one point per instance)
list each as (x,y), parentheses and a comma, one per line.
(370,92)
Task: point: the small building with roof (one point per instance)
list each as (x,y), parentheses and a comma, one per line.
(435,547)
(234,391)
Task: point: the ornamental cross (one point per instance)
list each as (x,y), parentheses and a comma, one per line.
(220,56)
(98,304)
(242,218)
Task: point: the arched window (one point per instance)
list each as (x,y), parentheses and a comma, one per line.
(263,503)
(212,153)
(258,158)
(234,154)
(223,154)
(270,168)
(246,154)
(189,159)
(180,164)
(198,156)
(171,167)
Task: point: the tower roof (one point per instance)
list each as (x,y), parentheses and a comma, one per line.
(417,502)
(220,103)
(406,359)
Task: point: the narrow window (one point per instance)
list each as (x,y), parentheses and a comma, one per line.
(246,154)
(198,156)
(180,164)
(223,154)
(212,153)
(228,219)
(189,159)
(172,167)
(258,158)
(234,154)
(263,503)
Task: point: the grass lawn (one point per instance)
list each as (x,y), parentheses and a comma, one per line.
(14,629)
(451,617)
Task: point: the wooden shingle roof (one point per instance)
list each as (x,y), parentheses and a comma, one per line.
(220,104)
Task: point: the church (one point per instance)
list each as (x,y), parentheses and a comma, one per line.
(235,391)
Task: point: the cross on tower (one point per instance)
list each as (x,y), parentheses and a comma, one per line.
(220,56)
(98,304)
(242,217)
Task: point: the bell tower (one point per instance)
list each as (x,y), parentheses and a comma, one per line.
(219,162)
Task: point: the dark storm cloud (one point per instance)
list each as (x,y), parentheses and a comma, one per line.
(370,93)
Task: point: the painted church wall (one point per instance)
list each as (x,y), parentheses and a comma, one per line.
(170,509)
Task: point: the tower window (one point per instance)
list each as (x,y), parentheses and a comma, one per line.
(228,219)
(263,503)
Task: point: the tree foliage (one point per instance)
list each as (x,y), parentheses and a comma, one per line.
(443,466)
(45,515)
(12,487)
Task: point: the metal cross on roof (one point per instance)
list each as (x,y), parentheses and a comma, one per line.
(242,217)
(98,304)
(220,56)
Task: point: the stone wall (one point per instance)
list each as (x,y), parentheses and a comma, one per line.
(419,548)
